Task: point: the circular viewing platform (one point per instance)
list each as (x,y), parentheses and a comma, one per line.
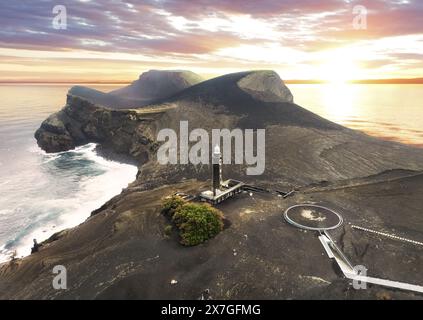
(313,217)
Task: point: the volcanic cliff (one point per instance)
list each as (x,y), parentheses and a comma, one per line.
(122,251)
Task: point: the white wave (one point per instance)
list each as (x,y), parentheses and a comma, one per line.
(5,212)
(51,158)
(93,191)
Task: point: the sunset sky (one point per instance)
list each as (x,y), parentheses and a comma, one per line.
(116,40)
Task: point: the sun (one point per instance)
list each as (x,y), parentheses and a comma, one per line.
(338,71)
(339,67)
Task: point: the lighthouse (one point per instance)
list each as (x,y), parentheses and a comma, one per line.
(221,190)
(217,170)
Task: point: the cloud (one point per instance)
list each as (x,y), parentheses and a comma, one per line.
(292,30)
(149,25)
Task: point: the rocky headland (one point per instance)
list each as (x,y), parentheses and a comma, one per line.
(122,251)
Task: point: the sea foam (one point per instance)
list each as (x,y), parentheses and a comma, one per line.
(92,181)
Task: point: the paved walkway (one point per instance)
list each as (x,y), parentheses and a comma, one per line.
(351,273)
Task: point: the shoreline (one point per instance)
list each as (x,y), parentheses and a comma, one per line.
(44,232)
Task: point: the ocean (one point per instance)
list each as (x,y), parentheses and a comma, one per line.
(41,193)
(389,111)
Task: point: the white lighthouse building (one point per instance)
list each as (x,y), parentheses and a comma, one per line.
(220,190)
(216,170)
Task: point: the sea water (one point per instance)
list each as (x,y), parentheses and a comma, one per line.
(40,193)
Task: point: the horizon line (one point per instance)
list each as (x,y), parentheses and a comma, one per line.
(290,81)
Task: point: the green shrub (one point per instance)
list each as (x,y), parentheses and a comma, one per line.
(197,222)
(168,230)
(170,205)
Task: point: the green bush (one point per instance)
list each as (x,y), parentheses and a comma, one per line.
(168,230)
(170,205)
(197,222)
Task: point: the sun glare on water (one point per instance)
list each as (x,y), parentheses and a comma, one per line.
(338,68)
(339,101)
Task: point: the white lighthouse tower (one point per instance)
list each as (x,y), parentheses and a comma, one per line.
(221,190)
(216,170)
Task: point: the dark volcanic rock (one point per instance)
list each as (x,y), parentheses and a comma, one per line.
(266,86)
(158,84)
(79,122)
(151,86)
(301,147)
(105,99)
(121,251)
